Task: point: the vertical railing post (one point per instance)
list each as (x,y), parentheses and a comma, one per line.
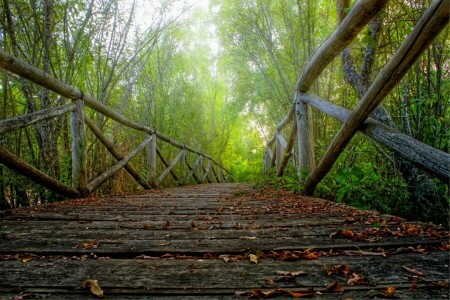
(151,161)
(267,160)
(200,168)
(280,147)
(306,158)
(183,167)
(79,169)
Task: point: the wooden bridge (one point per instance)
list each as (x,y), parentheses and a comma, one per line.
(217,241)
(220,240)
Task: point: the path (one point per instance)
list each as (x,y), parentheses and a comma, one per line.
(196,242)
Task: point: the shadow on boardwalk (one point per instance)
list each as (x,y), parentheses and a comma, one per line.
(218,241)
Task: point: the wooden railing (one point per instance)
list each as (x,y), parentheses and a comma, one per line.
(279,151)
(204,169)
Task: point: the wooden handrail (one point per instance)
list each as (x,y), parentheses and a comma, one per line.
(35,75)
(432,160)
(359,16)
(78,120)
(429,26)
(19,122)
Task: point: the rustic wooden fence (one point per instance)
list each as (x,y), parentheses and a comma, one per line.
(204,169)
(279,150)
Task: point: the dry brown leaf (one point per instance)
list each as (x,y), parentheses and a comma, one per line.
(301,294)
(335,287)
(356,278)
(95,287)
(413,271)
(310,255)
(343,233)
(93,244)
(253,258)
(26,259)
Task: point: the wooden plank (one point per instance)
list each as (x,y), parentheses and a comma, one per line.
(148,246)
(432,160)
(429,26)
(27,170)
(15,123)
(170,167)
(117,155)
(95,184)
(79,159)
(361,13)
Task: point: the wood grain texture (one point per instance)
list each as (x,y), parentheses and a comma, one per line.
(193,243)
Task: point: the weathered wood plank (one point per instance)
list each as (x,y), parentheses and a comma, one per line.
(183,236)
(213,276)
(15,123)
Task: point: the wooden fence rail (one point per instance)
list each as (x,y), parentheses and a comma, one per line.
(80,183)
(279,151)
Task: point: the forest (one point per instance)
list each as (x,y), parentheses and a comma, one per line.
(219,75)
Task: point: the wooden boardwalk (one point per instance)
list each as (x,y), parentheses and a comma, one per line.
(217,241)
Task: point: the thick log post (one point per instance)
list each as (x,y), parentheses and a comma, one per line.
(200,168)
(151,161)
(267,160)
(79,171)
(306,160)
(280,148)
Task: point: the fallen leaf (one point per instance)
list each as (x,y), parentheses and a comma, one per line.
(293,274)
(413,271)
(389,292)
(413,285)
(301,294)
(95,287)
(93,244)
(344,269)
(253,258)
(309,255)
(149,226)
(193,225)
(335,287)
(343,233)
(356,278)
(26,259)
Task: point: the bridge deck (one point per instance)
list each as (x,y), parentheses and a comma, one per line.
(198,242)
